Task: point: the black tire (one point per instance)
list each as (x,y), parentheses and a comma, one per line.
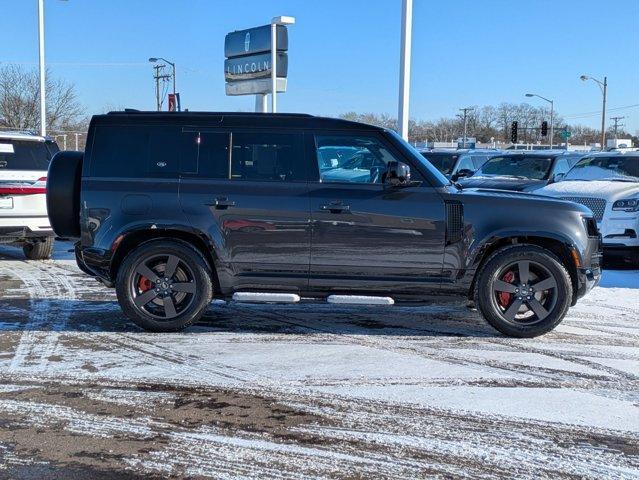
(38,249)
(63,193)
(147,304)
(519,308)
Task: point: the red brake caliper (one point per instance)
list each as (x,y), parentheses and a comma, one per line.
(505,297)
(144,284)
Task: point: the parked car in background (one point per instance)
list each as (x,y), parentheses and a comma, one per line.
(608,184)
(455,163)
(173,209)
(521,171)
(24,160)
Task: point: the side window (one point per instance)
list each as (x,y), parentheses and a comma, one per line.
(562,166)
(164,150)
(276,157)
(212,154)
(466,163)
(353,159)
(120,151)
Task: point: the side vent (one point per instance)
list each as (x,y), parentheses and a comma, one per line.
(454,222)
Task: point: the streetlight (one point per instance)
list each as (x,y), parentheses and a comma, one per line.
(275,21)
(604,90)
(43,82)
(552,119)
(157,59)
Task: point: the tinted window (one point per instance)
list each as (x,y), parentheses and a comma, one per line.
(444,162)
(23,155)
(518,166)
(120,151)
(357,159)
(268,157)
(213,154)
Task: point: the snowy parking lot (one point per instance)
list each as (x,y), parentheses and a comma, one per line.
(309,391)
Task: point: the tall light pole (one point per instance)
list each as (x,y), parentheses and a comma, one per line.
(275,21)
(552,118)
(404,68)
(604,90)
(43,70)
(43,100)
(157,59)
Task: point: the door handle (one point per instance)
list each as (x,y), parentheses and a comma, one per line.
(222,203)
(335,207)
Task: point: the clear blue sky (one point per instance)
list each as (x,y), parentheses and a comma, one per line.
(344,53)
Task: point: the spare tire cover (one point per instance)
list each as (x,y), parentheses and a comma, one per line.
(63,193)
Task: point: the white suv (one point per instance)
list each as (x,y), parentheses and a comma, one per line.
(608,184)
(24,160)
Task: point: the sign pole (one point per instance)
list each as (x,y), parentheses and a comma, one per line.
(273,67)
(261,104)
(404,70)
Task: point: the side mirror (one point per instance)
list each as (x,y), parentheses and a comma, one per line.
(463,173)
(397,174)
(557,177)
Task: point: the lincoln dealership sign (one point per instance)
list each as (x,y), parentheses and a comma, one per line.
(247,68)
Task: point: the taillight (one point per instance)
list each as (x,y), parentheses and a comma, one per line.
(39,186)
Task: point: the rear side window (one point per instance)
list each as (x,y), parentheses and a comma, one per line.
(140,151)
(120,151)
(274,157)
(23,155)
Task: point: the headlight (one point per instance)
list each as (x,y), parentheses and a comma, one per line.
(626,205)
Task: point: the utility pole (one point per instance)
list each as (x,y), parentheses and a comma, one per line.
(466,110)
(617,124)
(158,76)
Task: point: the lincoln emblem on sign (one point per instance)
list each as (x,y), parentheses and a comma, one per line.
(247,67)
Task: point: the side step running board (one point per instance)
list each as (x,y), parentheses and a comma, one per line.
(359,300)
(259,297)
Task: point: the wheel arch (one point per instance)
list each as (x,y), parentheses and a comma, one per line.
(126,242)
(561,247)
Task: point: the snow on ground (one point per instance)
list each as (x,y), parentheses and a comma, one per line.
(310,391)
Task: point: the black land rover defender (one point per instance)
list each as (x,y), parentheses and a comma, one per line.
(173,209)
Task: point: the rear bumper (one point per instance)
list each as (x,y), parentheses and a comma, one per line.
(23,228)
(94,264)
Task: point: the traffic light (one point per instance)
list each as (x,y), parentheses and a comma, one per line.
(544,128)
(513,132)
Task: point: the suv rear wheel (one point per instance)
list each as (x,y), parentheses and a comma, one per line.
(523,291)
(38,249)
(164,285)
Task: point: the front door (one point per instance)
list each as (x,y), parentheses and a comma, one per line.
(367,236)
(249,193)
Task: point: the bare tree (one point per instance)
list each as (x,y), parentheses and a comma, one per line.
(20,101)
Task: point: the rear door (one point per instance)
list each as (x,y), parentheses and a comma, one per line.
(367,236)
(248,191)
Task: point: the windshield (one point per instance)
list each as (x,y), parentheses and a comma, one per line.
(439,180)
(615,168)
(444,162)
(517,166)
(23,155)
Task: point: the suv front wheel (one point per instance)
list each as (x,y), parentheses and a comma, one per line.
(164,285)
(523,291)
